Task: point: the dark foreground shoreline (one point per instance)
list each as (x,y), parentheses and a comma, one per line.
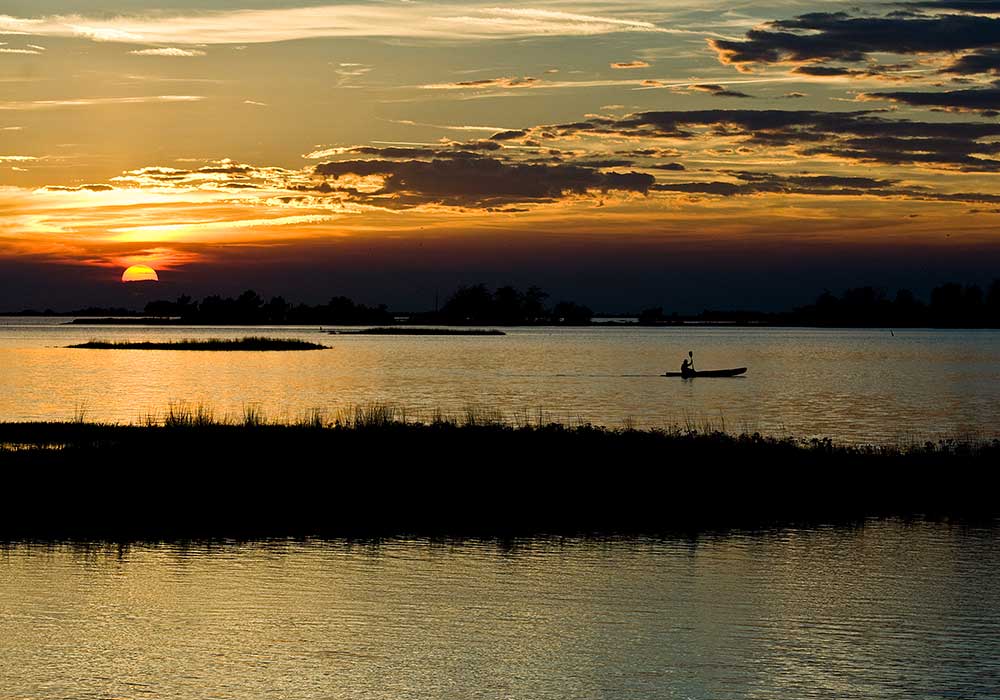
(378,479)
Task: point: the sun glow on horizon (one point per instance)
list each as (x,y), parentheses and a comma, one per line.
(140,273)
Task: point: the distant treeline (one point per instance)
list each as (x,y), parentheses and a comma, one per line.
(475,305)
(251,308)
(506,306)
(951,305)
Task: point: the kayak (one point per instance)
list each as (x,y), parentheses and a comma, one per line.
(710,373)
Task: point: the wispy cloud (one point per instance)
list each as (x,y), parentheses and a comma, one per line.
(163,232)
(411,20)
(347,72)
(171,52)
(626,65)
(450,127)
(495,86)
(95,101)
(504,82)
(717,90)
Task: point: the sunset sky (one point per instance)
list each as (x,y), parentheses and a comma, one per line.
(684,154)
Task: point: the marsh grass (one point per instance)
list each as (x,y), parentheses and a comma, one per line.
(254,416)
(80,412)
(372,470)
(384,418)
(249,343)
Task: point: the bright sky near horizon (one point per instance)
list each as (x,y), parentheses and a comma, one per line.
(570,143)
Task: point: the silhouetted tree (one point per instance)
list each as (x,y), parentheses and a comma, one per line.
(508,306)
(652,317)
(216,309)
(469,305)
(184,307)
(907,310)
(992,310)
(247,307)
(571,314)
(946,304)
(534,304)
(277,310)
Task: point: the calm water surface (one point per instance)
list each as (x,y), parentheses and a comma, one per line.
(851,385)
(889,610)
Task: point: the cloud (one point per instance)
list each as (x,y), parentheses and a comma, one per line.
(450,127)
(481,182)
(883,72)
(862,136)
(829,36)
(452,175)
(347,72)
(96,102)
(974,63)
(466,149)
(509,134)
(718,91)
(169,52)
(505,82)
(626,65)
(438,21)
(980,6)
(972,100)
(79,188)
(758,183)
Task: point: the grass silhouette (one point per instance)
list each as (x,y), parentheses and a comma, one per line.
(371,471)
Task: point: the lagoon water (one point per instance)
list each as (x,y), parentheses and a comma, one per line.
(849,385)
(888,610)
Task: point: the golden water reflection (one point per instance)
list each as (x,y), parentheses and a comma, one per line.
(891,610)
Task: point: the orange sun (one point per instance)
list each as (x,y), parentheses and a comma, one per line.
(140,273)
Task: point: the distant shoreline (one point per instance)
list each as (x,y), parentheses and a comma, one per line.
(161,322)
(951,305)
(414,330)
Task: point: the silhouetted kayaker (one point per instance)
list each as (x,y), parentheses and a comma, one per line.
(687,367)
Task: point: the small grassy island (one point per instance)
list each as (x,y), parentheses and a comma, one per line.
(410,330)
(253,343)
